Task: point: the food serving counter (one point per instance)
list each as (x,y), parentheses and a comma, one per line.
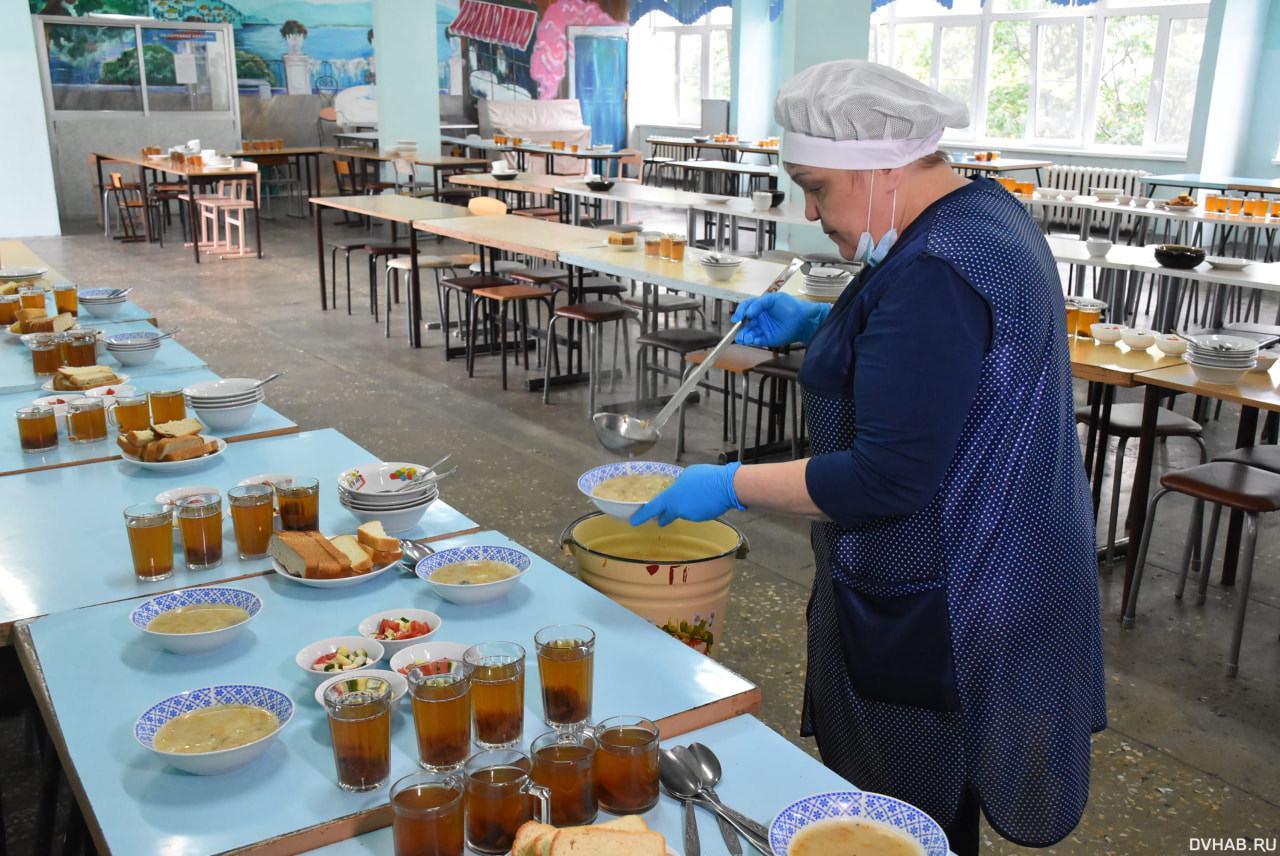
(287,800)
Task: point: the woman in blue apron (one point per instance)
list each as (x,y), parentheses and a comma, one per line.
(955,645)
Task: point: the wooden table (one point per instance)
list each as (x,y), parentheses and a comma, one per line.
(729,210)
(287,800)
(394,209)
(440,164)
(689,144)
(194,177)
(307,159)
(967,164)
(735,171)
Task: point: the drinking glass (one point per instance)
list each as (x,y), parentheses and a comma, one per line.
(80,348)
(652,244)
(677,248)
(9,306)
(1088,313)
(626,764)
(252,517)
(130,413)
(499,788)
(562,763)
(665,246)
(497,693)
(200,518)
(299,504)
(360,725)
(167,405)
(46,353)
(441,693)
(31,297)
(86,420)
(426,815)
(565,659)
(1234,204)
(66,298)
(150,529)
(37,428)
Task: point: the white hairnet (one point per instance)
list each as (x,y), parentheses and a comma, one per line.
(854,114)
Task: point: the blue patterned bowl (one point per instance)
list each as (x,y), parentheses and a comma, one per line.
(877,808)
(474,592)
(223,760)
(196,643)
(616,508)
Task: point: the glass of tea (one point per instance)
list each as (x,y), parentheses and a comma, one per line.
(66,298)
(252,517)
(626,764)
(441,693)
(200,518)
(37,428)
(652,244)
(562,763)
(497,693)
(498,787)
(167,405)
(86,420)
(130,413)
(150,528)
(9,306)
(360,725)
(80,348)
(46,353)
(565,658)
(664,246)
(299,500)
(1088,313)
(31,297)
(426,815)
(677,248)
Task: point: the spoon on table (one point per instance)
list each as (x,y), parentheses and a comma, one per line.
(682,783)
(686,756)
(692,844)
(414,552)
(700,757)
(119,292)
(266,380)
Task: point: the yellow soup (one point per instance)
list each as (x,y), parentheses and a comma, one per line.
(635,487)
(209,729)
(849,836)
(197,618)
(473,573)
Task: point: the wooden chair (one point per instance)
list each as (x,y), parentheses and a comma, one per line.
(129,201)
(484,206)
(346,186)
(226,209)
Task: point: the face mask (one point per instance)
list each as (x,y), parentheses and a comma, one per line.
(869,252)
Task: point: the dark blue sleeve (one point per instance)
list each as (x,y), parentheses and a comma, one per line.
(917,364)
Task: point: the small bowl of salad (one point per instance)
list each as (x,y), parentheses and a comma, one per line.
(397,629)
(354,683)
(338,654)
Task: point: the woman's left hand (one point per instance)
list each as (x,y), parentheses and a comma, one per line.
(702,492)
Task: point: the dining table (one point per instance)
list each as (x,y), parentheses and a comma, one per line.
(730,172)
(440,165)
(968,165)
(304,159)
(133,802)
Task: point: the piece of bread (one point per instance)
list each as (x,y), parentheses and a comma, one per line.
(373,536)
(631,822)
(129,448)
(56,324)
(140,438)
(359,556)
(207,447)
(30,314)
(71,378)
(603,841)
(295,551)
(336,565)
(165,449)
(178,428)
(526,835)
(381,557)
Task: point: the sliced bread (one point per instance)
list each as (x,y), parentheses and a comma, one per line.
(178,427)
(197,450)
(373,536)
(526,835)
(356,553)
(602,841)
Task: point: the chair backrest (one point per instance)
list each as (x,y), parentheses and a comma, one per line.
(236,188)
(404,167)
(486,205)
(341,167)
(116,180)
(630,157)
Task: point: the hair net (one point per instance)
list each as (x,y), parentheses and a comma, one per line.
(854,114)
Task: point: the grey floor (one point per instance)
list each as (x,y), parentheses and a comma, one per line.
(1190,752)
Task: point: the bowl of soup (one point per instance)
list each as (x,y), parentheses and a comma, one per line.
(477,573)
(196,620)
(214,730)
(844,822)
(620,489)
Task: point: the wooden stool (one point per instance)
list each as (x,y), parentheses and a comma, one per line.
(678,340)
(593,316)
(521,295)
(404,264)
(784,371)
(739,360)
(1237,486)
(668,304)
(463,286)
(597,286)
(1126,424)
(347,247)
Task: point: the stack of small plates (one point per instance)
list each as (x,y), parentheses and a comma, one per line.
(134,349)
(720,266)
(1221,359)
(224,404)
(101,302)
(21,274)
(394,492)
(825,282)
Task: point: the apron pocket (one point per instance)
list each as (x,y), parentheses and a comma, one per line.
(897,648)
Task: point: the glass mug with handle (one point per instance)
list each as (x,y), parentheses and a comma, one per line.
(427,815)
(626,764)
(499,791)
(563,764)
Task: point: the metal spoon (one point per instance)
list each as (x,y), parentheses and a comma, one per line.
(168,335)
(414,552)
(707,765)
(119,292)
(686,757)
(692,844)
(426,479)
(630,435)
(268,379)
(682,784)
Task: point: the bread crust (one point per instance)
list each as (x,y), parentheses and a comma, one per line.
(373,536)
(357,554)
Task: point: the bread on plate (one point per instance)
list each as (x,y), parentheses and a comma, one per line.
(623,836)
(74,378)
(313,556)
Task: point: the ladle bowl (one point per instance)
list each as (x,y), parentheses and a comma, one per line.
(623,434)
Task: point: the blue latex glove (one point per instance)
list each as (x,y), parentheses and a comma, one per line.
(702,492)
(778,319)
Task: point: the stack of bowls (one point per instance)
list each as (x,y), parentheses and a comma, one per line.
(720,267)
(100,302)
(224,404)
(1221,359)
(393,492)
(825,282)
(134,349)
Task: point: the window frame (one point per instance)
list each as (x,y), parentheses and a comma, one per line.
(677,30)
(1088,69)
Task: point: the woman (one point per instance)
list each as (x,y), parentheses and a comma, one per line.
(954,654)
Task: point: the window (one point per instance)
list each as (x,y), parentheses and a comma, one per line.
(673,67)
(1115,75)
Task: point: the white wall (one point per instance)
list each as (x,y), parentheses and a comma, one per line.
(28,202)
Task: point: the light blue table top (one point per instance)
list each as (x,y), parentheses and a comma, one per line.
(64,545)
(265,422)
(16,374)
(141,805)
(129,311)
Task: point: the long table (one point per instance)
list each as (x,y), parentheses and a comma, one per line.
(287,801)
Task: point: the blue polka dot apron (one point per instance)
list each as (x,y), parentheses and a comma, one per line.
(960,646)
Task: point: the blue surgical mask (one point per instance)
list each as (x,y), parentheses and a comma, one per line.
(869,252)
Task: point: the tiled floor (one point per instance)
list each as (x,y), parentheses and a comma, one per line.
(1190,752)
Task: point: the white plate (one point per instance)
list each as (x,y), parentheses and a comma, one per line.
(17,274)
(1222,263)
(343,582)
(178,466)
(120,380)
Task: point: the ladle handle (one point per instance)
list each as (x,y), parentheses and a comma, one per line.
(691,381)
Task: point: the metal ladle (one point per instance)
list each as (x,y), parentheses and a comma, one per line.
(683,784)
(623,434)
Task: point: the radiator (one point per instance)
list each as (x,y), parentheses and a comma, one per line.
(1081,179)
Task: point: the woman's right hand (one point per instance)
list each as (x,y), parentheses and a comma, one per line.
(777,319)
